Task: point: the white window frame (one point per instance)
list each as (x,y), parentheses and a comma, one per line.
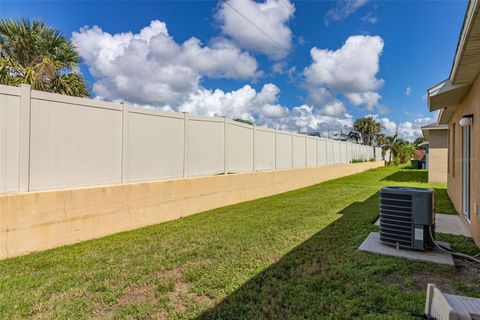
(466,154)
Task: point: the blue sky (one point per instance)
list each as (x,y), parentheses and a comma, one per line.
(394,45)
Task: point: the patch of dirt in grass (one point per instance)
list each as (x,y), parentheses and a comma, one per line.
(468,268)
(136,295)
(175,292)
(418,281)
(181,294)
(45,308)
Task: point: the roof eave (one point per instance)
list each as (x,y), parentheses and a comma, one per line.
(468,23)
(446,94)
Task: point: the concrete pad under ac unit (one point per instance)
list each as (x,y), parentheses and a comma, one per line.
(372,244)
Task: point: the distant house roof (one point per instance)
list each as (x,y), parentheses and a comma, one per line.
(432,126)
(419,154)
(466,65)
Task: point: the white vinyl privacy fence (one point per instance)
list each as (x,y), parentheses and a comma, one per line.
(51,141)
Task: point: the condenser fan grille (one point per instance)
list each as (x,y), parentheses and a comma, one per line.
(396,219)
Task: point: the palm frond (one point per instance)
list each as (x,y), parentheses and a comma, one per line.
(34,53)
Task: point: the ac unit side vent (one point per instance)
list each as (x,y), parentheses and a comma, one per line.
(396,196)
(396,220)
(395,208)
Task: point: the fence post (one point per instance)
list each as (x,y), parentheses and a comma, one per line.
(306,154)
(275,156)
(253,144)
(316,152)
(25,134)
(125,134)
(225,154)
(185,144)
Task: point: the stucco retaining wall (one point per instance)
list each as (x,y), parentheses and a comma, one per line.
(42,220)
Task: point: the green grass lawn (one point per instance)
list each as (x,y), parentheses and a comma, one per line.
(287,256)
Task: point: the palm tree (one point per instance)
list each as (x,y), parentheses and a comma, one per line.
(353,136)
(417,143)
(368,128)
(395,145)
(36,54)
(380,140)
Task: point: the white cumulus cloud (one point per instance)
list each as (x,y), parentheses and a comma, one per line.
(343,9)
(350,70)
(150,67)
(408,130)
(258,26)
(335,108)
(245,103)
(408,91)
(309,118)
(263,108)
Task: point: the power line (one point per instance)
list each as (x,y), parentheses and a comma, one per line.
(285,4)
(254,25)
(270,37)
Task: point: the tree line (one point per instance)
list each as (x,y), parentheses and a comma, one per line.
(369,131)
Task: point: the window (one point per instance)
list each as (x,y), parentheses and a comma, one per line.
(466,171)
(449,144)
(452,148)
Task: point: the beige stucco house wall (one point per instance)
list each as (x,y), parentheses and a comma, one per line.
(458,100)
(437,137)
(470,105)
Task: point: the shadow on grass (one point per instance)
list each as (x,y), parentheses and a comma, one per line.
(326,277)
(408,176)
(307,282)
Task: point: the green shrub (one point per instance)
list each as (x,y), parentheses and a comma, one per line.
(357,161)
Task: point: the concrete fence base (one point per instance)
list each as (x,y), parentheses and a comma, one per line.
(43,220)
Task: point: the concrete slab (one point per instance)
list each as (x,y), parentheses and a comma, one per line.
(372,244)
(451,224)
(447,223)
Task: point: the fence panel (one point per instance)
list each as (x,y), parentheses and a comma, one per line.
(239,147)
(311,151)
(378,153)
(343,152)
(9,139)
(322,152)
(349,152)
(74,142)
(284,150)
(336,152)
(329,152)
(155,145)
(205,146)
(264,149)
(299,151)
(50,141)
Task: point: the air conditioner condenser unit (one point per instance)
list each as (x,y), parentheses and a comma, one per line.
(407,217)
